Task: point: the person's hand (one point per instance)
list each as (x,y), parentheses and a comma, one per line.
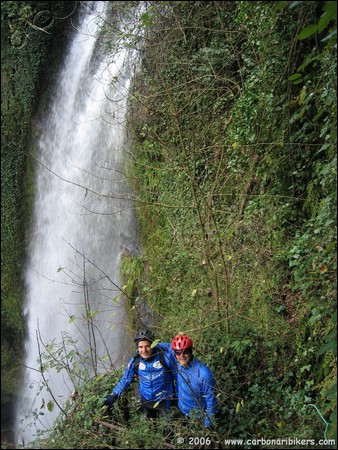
(110,400)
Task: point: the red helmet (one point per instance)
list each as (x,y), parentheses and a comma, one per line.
(181,342)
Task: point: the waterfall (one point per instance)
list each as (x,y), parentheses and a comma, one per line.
(83,217)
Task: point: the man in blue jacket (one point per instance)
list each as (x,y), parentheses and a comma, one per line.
(155,369)
(195,382)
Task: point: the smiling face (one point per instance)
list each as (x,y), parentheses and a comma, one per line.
(183,357)
(144,349)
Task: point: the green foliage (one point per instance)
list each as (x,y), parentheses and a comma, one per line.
(233,121)
(132,270)
(238,226)
(77,429)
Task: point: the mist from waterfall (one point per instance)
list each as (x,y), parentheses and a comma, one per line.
(82,219)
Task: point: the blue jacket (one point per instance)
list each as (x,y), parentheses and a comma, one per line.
(196,390)
(156,382)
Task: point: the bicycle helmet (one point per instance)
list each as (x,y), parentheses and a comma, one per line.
(144,335)
(181,342)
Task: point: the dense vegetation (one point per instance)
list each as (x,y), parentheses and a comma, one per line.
(236,162)
(233,129)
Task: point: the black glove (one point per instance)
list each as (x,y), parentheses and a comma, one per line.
(110,400)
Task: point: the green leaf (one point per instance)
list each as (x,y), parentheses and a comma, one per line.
(307,32)
(295,76)
(155,342)
(324,21)
(50,405)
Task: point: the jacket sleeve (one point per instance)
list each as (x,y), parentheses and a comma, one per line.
(208,389)
(169,357)
(127,378)
(165,346)
(170,360)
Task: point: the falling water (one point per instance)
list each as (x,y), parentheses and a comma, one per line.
(82,220)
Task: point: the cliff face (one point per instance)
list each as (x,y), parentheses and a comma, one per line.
(229,167)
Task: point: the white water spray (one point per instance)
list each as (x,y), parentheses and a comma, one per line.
(82,219)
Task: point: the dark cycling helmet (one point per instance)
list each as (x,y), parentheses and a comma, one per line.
(181,342)
(144,335)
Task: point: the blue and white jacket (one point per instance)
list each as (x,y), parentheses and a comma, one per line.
(156,383)
(196,390)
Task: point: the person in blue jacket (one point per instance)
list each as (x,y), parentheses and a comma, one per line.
(155,369)
(195,382)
